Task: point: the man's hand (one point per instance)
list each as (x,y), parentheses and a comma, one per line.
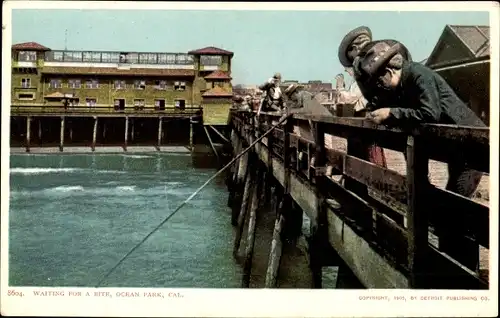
(379,115)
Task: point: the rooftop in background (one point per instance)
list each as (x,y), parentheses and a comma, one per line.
(460,43)
(117,56)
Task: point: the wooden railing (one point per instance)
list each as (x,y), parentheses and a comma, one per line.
(401,212)
(46,109)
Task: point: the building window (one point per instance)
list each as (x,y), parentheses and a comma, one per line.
(139,84)
(210,60)
(91,84)
(26,96)
(26,82)
(58,56)
(91,56)
(162,58)
(55,83)
(220,84)
(120,84)
(72,56)
(74,102)
(180,86)
(181,59)
(180,104)
(170,58)
(90,102)
(119,104)
(27,56)
(147,58)
(161,85)
(74,83)
(159,104)
(139,103)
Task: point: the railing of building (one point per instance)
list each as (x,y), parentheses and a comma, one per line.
(108,109)
(402,211)
(117,57)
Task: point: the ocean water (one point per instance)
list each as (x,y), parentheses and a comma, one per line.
(73,217)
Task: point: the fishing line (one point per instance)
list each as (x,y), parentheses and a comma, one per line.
(189,198)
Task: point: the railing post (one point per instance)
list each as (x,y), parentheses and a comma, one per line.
(288,128)
(417,220)
(320,233)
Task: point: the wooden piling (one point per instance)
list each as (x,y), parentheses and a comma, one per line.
(191,146)
(276,251)
(160,123)
(254,206)
(40,131)
(243,212)
(94,134)
(104,130)
(28,133)
(132,129)
(61,144)
(126,134)
(210,141)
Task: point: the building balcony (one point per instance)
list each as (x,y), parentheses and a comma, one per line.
(33,109)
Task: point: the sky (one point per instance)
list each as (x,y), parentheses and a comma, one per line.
(301,45)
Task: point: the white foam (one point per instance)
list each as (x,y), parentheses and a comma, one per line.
(126,188)
(29,171)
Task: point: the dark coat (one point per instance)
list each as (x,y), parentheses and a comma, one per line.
(423,96)
(270,88)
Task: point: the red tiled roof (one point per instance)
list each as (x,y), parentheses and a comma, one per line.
(211,50)
(115,71)
(217,92)
(33,46)
(218,75)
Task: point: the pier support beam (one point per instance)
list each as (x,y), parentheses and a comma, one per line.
(61,144)
(104,130)
(240,180)
(191,146)
(160,132)
(126,134)
(28,133)
(132,130)
(254,206)
(94,134)
(243,212)
(276,250)
(210,141)
(40,131)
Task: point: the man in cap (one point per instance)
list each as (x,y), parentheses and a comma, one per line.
(423,97)
(349,49)
(273,99)
(352,47)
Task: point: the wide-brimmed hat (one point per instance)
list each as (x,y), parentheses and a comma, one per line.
(378,57)
(292,88)
(277,75)
(347,41)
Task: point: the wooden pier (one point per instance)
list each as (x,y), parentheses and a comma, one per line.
(382,235)
(92,127)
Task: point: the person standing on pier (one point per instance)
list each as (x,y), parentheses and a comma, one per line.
(350,46)
(422,96)
(273,98)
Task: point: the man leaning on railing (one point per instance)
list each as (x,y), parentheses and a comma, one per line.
(422,96)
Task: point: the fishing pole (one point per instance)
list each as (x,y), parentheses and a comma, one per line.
(192,196)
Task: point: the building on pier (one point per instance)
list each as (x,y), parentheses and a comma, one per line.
(103,81)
